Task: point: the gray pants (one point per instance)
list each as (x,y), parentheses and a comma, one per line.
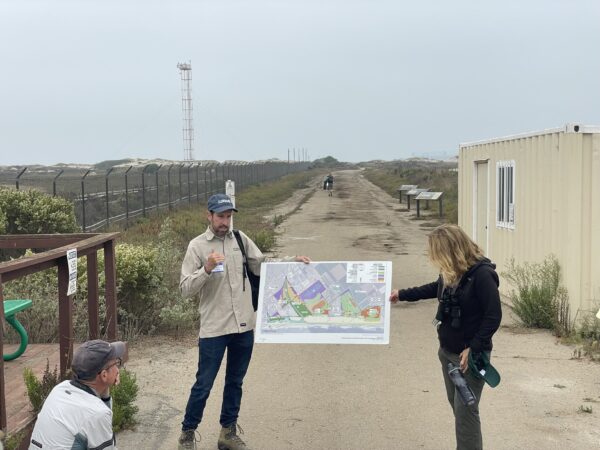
(466,418)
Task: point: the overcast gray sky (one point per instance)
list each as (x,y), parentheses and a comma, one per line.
(85,81)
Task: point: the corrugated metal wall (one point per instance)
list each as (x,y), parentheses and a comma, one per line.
(556,205)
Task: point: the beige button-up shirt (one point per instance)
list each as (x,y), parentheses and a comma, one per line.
(224,307)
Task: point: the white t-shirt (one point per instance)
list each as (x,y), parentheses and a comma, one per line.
(73,418)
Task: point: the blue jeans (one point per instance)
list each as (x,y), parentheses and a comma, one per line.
(239,351)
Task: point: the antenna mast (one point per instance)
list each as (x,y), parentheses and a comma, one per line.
(185,69)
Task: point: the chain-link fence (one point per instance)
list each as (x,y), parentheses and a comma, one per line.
(121,194)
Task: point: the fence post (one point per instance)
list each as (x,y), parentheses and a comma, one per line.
(243,174)
(127,198)
(197,183)
(215,179)
(92,285)
(157,190)
(144,190)
(54,182)
(169,185)
(110,290)
(205,185)
(65,317)
(83,198)
(189,187)
(179,197)
(19,176)
(106,190)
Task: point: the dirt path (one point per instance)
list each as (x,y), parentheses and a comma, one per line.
(364,396)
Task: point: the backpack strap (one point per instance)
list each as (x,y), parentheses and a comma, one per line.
(240,242)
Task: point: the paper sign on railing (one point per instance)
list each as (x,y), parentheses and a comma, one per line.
(72,261)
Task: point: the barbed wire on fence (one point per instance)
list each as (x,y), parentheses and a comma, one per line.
(122,194)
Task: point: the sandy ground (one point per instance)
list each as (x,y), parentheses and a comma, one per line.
(369,396)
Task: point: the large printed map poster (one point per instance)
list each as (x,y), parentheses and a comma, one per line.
(333,302)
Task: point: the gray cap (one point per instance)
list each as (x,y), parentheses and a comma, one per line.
(92,356)
(218,203)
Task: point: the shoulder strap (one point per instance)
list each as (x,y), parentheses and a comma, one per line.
(238,238)
(240,242)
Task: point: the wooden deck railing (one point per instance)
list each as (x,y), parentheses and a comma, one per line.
(86,245)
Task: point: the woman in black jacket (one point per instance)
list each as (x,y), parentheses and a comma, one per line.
(468,315)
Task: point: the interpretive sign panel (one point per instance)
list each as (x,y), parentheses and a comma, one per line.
(407,187)
(428,196)
(330,302)
(417,191)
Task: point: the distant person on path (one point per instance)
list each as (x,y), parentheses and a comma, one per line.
(78,413)
(213,268)
(468,315)
(328,184)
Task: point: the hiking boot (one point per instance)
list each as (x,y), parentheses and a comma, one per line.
(187,440)
(229,439)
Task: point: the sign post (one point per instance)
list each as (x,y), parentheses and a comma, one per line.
(230,191)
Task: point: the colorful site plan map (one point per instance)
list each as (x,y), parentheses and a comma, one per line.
(333,302)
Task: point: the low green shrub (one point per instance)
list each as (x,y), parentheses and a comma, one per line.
(38,390)
(264,239)
(180,315)
(123,396)
(177,313)
(2,222)
(33,212)
(138,281)
(588,335)
(14,441)
(538,298)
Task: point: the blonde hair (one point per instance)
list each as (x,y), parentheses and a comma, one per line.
(452,251)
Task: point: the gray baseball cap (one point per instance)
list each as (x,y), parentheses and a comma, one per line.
(92,356)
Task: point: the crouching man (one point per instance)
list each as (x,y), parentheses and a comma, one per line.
(78,413)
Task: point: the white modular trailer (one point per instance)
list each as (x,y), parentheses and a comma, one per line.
(531,195)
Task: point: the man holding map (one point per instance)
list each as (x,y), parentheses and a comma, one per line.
(213,268)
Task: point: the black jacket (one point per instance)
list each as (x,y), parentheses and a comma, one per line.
(480,311)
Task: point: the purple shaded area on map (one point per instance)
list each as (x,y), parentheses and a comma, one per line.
(312,291)
(277,295)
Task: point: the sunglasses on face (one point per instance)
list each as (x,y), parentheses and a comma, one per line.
(118,363)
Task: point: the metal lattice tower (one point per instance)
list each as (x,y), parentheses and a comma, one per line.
(185,70)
